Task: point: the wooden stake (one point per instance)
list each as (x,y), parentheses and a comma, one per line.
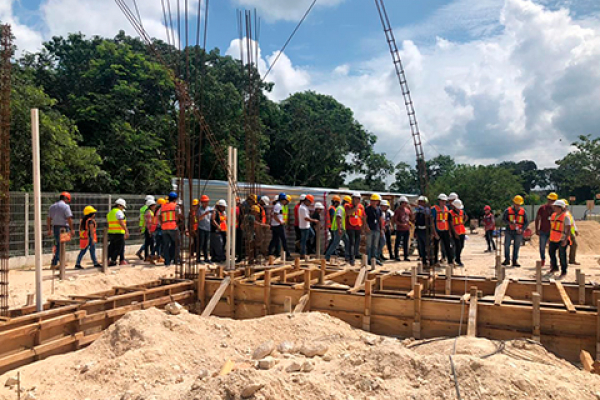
(581,283)
(472,325)
(420,268)
(364,260)
(297,263)
(271,260)
(322,272)
(586,361)
(417,316)
(302,303)
(267,298)
(105,252)
(232,293)
(287,305)
(448,280)
(598,330)
(538,278)
(63,261)
(500,292)
(366,325)
(201,289)
(216,297)
(413,275)
(536,301)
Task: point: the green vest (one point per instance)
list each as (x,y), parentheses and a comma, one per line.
(286,214)
(334,225)
(113,223)
(143,218)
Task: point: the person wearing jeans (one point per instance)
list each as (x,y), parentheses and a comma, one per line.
(542,224)
(59,218)
(402,218)
(560,232)
(87,237)
(374,227)
(304,221)
(516,219)
(355,223)
(203,234)
(489,223)
(278,219)
(338,228)
(148,225)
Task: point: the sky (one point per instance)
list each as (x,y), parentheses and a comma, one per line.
(491,80)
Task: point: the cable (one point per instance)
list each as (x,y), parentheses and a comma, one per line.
(289,39)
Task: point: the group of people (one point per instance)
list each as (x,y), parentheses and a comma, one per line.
(440,227)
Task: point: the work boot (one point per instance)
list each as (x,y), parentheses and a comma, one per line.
(506,262)
(149,260)
(123,262)
(78,266)
(140,256)
(516,264)
(97,265)
(543,262)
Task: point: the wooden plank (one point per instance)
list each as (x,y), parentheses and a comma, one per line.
(302,303)
(500,292)
(413,276)
(598,329)
(201,287)
(586,361)
(565,298)
(538,278)
(417,315)
(472,324)
(536,316)
(360,278)
(231,297)
(216,297)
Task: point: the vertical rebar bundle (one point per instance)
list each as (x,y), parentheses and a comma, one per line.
(5,87)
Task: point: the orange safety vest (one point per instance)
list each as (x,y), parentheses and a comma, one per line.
(154,225)
(194,221)
(458,219)
(557,226)
(237,217)
(168,217)
(441,218)
(331,207)
(263,215)
(84,236)
(516,220)
(223,223)
(356,218)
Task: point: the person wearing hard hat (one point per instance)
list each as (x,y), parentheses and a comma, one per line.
(573,237)
(459,220)
(143,225)
(278,226)
(204,212)
(297,221)
(192,227)
(117,233)
(330,216)
(338,228)
(374,228)
(218,232)
(516,219)
(304,221)
(60,219)
(87,237)
(489,224)
(148,225)
(560,232)
(422,218)
(402,219)
(441,228)
(157,253)
(388,216)
(542,224)
(315,228)
(355,224)
(261,229)
(170,215)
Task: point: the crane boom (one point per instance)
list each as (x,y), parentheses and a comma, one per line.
(410,109)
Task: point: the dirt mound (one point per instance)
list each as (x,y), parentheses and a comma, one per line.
(152,355)
(587,241)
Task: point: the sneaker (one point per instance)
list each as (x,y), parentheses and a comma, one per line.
(97,265)
(406,259)
(516,264)
(575,263)
(488,251)
(378,262)
(506,262)
(397,259)
(78,266)
(112,263)
(140,256)
(382,258)
(553,270)
(123,263)
(460,264)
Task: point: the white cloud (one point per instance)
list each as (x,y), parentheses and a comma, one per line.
(287,78)
(288,10)
(26,38)
(343,69)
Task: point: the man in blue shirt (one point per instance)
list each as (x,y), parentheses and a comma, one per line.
(59,218)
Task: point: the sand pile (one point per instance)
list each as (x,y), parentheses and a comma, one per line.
(151,355)
(587,241)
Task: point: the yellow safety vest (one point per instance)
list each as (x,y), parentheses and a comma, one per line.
(334,224)
(113,223)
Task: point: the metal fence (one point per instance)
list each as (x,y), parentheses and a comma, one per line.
(22,240)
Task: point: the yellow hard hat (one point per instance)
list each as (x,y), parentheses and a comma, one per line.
(256,209)
(553,196)
(89,210)
(375,197)
(348,199)
(195,202)
(288,198)
(565,201)
(518,200)
(161,202)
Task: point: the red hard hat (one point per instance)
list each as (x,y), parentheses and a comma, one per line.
(67,196)
(310,198)
(204,198)
(487,208)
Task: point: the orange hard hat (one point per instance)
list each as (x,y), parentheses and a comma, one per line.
(204,198)
(337,198)
(67,196)
(310,198)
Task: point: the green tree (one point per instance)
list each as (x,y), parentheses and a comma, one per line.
(578,173)
(479,186)
(406,181)
(439,166)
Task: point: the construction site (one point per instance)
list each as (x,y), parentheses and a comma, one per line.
(280,327)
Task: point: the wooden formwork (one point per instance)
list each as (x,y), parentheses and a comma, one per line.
(563,317)
(67,325)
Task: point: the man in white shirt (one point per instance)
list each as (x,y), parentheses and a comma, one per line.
(304,221)
(277,226)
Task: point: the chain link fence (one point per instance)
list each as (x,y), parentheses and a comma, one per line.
(22,238)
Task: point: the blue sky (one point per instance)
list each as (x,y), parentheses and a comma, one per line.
(492,80)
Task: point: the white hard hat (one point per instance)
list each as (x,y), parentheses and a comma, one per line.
(121,202)
(442,196)
(149,197)
(385,203)
(302,197)
(560,203)
(356,194)
(150,202)
(452,196)
(403,199)
(265,199)
(423,198)
(319,206)
(458,204)
(222,203)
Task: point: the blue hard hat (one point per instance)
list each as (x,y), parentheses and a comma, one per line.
(282,196)
(173,195)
